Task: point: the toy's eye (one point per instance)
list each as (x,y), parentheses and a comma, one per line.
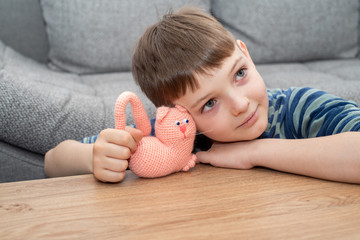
(186,120)
(177,123)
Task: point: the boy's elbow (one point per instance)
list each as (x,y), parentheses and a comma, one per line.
(53,157)
(47,163)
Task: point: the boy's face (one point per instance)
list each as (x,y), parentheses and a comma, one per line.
(231,103)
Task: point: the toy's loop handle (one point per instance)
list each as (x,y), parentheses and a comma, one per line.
(141,119)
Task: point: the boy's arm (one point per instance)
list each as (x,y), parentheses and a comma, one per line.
(335,157)
(69,158)
(107,158)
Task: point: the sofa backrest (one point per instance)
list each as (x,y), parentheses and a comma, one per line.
(274,30)
(292,30)
(99,36)
(22,28)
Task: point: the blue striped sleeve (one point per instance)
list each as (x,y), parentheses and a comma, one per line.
(306,112)
(89,140)
(92,139)
(317,113)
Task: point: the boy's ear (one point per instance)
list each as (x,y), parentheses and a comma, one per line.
(243,48)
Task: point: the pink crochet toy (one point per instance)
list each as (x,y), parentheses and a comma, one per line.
(168,152)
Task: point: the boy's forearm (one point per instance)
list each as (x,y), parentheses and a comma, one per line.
(335,157)
(69,158)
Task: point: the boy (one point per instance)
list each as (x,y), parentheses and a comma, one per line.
(189,59)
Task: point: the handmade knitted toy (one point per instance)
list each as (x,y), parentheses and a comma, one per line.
(168,152)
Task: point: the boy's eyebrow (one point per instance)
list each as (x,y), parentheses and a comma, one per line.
(200,100)
(237,60)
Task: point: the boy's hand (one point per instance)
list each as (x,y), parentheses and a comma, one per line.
(228,155)
(111,152)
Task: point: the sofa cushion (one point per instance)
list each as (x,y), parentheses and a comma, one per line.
(41,107)
(287,30)
(19,165)
(22,27)
(338,77)
(99,36)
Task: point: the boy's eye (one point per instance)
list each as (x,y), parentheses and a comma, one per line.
(208,105)
(240,74)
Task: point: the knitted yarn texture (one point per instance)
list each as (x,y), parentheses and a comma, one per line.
(168,152)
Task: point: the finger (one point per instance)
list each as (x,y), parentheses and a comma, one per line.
(119,137)
(109,176)
(203,157)
(105,149)
(137,134)
(209,157)
(114,165)
(117,152)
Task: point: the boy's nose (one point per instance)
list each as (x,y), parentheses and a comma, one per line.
(239,105)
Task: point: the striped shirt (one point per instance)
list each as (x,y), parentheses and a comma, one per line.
(306,113)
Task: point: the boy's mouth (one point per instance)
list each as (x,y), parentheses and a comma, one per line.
(250,119)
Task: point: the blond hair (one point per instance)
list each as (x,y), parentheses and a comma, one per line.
(171,52)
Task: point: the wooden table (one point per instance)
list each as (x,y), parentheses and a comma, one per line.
(205,203)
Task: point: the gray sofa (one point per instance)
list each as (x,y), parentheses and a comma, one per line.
(63,63)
